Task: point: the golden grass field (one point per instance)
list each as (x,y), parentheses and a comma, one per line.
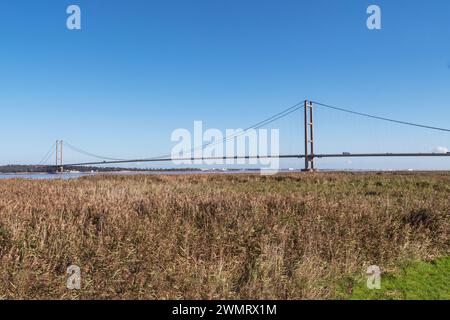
(291,236)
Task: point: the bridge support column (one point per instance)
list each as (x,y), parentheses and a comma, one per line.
(59,156)
(309,137)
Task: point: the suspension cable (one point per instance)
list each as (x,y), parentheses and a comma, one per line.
(380,118)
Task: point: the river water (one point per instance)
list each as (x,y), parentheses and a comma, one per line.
(74,175)
(42,176)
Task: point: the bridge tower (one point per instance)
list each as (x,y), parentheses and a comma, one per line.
(59,156)
(309,137)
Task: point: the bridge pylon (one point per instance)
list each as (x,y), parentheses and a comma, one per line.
(309,137)
(59,156)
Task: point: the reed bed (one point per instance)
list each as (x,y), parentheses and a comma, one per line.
(242,236)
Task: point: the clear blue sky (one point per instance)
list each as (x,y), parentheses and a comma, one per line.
(140,69)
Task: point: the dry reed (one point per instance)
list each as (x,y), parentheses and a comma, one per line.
(215,236)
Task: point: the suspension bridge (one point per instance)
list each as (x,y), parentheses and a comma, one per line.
(308,154)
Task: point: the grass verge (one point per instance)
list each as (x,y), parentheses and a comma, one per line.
(417,280)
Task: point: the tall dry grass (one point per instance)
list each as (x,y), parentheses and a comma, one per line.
(215,236)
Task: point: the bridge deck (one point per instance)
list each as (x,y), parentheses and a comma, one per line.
(298,156)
